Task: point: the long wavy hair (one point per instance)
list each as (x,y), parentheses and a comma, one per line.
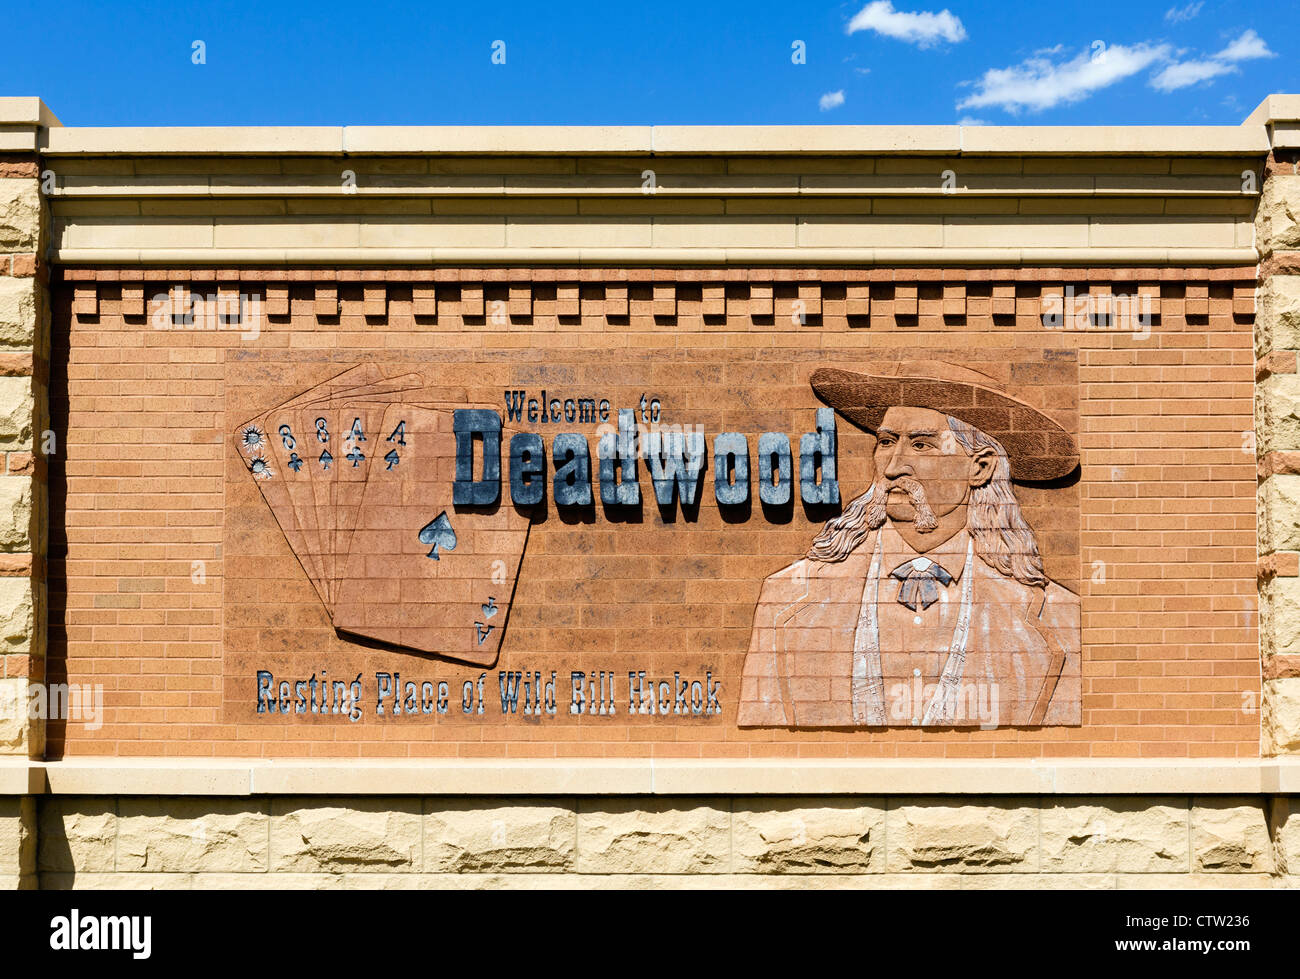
(1003,539)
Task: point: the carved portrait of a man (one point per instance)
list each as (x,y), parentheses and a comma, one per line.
(925,602)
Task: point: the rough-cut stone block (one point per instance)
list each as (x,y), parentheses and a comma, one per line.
(1277,413)
(16,614)
(670,836)
(1277,315)
(1279,513)
(1230,835)
(1284,828)
(380,835)
(16,408)
(985,836)
(15,512)
(191,834)
(1108,835)
(1279,621)
(488,835)
(17,836)
(1281,729)
(17,311)
(20,214)
(1277,222)
(15,729)
(803,836)
(77,835)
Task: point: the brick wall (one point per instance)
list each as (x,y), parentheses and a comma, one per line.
(1158,534)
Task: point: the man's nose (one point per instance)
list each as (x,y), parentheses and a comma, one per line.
(896,463)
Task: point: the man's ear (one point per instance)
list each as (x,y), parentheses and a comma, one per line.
(981,466)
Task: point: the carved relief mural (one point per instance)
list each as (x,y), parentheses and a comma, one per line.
(428,517)
(926,601)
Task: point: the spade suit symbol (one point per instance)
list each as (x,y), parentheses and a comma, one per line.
(438,532)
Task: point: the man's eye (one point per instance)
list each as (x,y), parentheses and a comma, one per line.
(921,444)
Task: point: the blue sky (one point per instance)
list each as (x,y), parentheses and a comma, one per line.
(886,61)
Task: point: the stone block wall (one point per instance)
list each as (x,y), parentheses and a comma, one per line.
(1277,427)
(24,358)
(684,841)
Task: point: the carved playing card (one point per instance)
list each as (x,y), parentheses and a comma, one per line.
(421,572)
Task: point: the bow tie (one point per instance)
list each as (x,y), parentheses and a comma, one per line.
(919,577)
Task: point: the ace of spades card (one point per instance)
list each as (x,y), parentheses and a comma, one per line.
(421,572)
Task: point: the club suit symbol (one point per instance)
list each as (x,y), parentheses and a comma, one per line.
(439,533)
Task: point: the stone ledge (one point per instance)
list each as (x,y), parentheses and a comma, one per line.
(524,256)
(676,777)
(677,140)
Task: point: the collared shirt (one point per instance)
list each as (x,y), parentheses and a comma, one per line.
(915,644)
(1022,662)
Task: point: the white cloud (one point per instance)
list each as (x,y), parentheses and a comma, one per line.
(1184,73)
(831,100)
(1037,83)
(1249,45)
(1176,15)
(971,121)
(921,28)
(1181,74)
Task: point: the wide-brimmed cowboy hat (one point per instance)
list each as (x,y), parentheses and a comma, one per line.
(1039,449)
